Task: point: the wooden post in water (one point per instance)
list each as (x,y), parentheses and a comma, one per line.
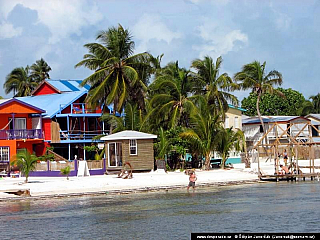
(258,157)
(310,158)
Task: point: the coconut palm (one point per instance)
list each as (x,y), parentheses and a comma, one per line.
(204,128)
(227,139)
(172,95)
(116,78)
(20,82)
(214,85)
(132,119)
(316,102)
(26,162)
(253,76)
(40,70)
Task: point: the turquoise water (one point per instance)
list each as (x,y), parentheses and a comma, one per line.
(270,207)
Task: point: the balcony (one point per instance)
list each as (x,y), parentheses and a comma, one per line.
(21,134)
(81,135)
(78,108)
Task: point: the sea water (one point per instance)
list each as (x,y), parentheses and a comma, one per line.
(261,207)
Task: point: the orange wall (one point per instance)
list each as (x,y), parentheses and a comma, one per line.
(44,89)
(18,144)
(16,107)
(4,119)
(12,147)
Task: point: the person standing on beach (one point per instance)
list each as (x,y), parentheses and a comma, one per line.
(192,181)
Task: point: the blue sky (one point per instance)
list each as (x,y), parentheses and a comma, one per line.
(284,33)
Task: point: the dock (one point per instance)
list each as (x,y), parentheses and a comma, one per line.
(290,177)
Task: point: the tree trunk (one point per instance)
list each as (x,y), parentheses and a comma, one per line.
(223,161)
(207,162)
(258,111)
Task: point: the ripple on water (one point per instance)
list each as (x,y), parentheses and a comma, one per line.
(272,207)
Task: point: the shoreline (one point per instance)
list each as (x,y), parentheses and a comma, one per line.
(44,188)
(127,191)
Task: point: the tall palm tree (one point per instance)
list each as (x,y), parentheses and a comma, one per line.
(26,162)
(116,79)
(214,85)
(204,128)
(40,70)
(132,119)
(316,102)
(172,95)
(253,76)
(20,82)
(227,140)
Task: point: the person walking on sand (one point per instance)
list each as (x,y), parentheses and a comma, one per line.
(192,181)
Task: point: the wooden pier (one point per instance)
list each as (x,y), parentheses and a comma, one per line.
(290,177)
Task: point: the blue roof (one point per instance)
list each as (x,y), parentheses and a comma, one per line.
(51,102)
(68,85)
(239,108)
(269,119)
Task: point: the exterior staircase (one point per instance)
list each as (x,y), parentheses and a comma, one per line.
(57,157)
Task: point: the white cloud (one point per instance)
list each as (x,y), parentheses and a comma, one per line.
(281,20)
(63,18)
(8,31)
(151,27)
(218,39)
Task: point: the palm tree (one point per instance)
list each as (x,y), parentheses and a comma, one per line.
(204,128)
(40,70)
(66,171)
(227,140)
(212,84)
(253,76)
(172,95)
(306,108)
(20,82)
(26,162)
(132,119)
(316,102)
(116,78)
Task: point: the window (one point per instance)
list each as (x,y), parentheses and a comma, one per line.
(226,122)
(19,123)
(236,122)
(261,129)
(133,147)
(115,154)
(4,154)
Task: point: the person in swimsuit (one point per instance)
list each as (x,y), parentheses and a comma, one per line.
(284,169)
(285,157)
(192,181)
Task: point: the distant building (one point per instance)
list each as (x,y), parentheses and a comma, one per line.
(286,126)
(233,118)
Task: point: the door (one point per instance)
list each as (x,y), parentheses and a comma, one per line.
(115,154)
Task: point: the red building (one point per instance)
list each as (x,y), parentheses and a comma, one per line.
(55,115)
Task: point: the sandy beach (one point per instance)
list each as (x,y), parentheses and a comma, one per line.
(49,186)
(151,181)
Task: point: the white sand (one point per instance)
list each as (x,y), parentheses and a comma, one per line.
(50,186)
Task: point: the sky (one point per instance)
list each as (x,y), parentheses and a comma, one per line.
(284,33)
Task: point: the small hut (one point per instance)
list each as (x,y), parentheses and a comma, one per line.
(131,147)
